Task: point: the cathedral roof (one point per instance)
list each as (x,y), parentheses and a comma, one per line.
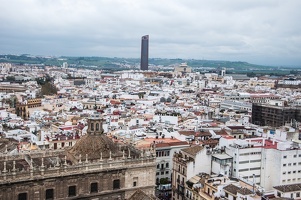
(140,195)
(94,146)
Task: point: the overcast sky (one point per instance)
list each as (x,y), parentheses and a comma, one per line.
(257,31)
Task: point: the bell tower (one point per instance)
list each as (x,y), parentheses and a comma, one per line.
(95,125)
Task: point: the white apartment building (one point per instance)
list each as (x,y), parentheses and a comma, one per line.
(246,160)
(291,191)
(164,154)
(254,160)
(286,169)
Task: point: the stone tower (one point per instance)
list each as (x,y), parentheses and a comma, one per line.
(95,125)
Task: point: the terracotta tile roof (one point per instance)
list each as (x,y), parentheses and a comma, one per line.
(289,188)
(210,141)
(221,132)
(140,195)
(233,189)
(193,150)
(236,127)
(187,133)
(200,134)
(171,144)
(244,191)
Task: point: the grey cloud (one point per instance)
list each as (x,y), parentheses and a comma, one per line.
(256,31)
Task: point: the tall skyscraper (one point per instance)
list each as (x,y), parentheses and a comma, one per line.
(144,53)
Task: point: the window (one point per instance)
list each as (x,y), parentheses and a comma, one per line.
(167,165)
(298,194)
(97,126)
(295,156)
(284,156)
(226,194)
(94,187)
(22,196)
(134,184)
(284,165)
(283,172)
(162,173)
(289,164)
(92,126)
(116,184)
(294,172)
(167,172)
(49,194)
(158,166)
(72,191)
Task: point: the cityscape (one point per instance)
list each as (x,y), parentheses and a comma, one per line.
(181,123)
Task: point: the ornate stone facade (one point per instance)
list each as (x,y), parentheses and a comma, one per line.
(116,173)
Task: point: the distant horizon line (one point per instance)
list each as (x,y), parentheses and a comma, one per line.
(198,59)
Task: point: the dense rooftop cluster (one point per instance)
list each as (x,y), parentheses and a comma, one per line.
(214,135)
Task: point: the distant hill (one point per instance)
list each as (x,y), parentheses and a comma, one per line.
(120,63)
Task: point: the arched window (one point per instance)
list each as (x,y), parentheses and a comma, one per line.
(97,126)
(92,126)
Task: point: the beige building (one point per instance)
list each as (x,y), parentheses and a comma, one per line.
(25,108)
(183,69)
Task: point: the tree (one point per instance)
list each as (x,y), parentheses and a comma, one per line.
(162,99)
(48,89)
(164,181)
(10,78)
